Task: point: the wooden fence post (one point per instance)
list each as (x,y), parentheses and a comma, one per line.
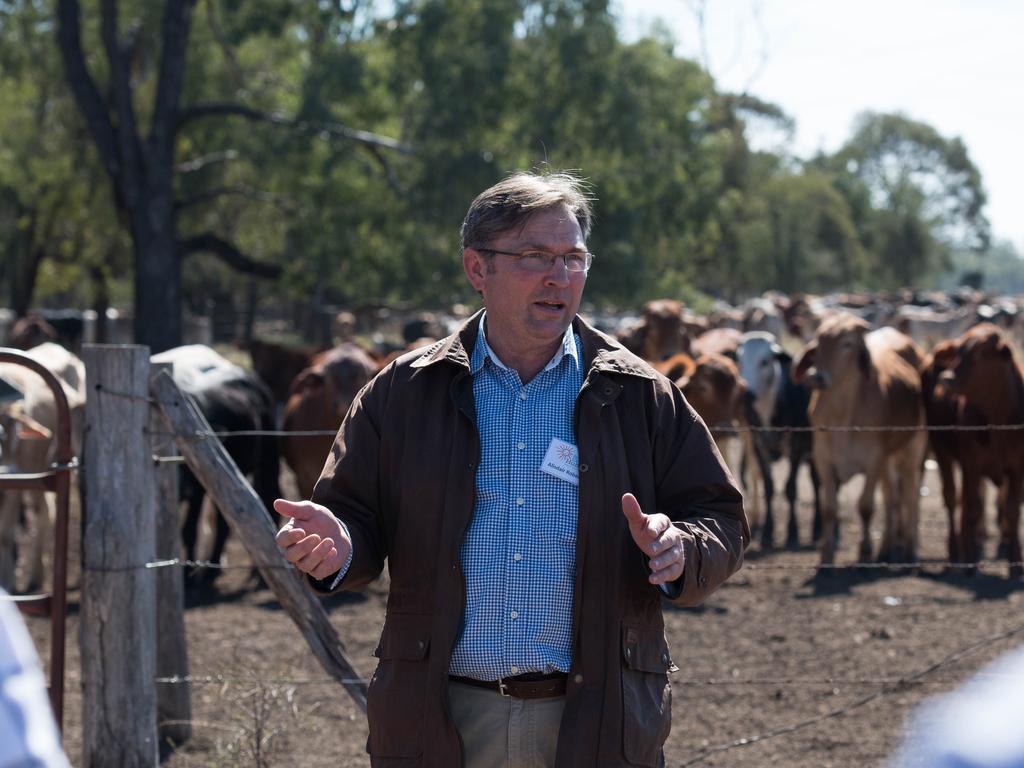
(243,509)
(118,608)
(173,700)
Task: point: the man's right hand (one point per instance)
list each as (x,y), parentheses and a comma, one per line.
(312,540)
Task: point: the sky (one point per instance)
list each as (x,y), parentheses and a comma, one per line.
(957,65)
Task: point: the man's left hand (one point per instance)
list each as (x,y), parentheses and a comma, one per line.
(657,538)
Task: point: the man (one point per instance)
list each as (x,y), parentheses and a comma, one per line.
(536,490)
(28,732)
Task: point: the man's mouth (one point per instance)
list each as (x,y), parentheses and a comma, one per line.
(550,304)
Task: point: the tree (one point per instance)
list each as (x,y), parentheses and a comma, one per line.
(916,193)
(139,151)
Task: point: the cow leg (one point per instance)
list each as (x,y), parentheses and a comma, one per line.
(45,512)
(945,463)
(909,473)
(751,485)
(192,493)
(816,485)
(764,465)
(1002,504)
(829,505)
(1010,515)
(220,538)
(971,499)
(866,510)
(10,507)
(792,531)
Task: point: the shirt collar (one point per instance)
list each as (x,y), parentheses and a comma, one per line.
(482,351)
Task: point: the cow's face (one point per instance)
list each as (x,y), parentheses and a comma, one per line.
(981,358)
(715,389)
(759,364)
(838,353)
(665,335)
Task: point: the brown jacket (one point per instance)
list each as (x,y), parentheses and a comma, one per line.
(401,475)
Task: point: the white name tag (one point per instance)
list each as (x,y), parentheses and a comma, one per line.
(562,461)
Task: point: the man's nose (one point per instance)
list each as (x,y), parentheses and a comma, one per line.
(558,273)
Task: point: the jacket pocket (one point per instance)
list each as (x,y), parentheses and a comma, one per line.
(395,697)
(646,694)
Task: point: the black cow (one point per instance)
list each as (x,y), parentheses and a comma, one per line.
(232,400)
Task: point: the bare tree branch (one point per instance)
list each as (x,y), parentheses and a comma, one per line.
(197,164)
(230,59)
(87,95)
(177,18)
(243,190)
(229,254)
(121,91)
(331,129)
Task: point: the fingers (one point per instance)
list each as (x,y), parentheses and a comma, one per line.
(313,555)
(668,565)
(631,509)
(300,510)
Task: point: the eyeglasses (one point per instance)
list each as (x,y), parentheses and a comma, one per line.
(542,261)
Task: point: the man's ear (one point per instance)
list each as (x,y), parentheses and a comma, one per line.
(475,267)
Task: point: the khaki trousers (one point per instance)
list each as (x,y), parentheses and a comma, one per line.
(502,732)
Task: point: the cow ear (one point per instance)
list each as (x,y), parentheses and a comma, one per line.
(681,366)
(944,354)
(307,380)
(806,361)
(30,429)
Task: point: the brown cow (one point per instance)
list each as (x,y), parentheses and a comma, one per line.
(983,371)
(278,365)
(718,394)
(940,407)
(663,330)
(863,379)
(719,341)
(320,397)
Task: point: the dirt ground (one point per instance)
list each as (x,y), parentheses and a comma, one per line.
(780,667)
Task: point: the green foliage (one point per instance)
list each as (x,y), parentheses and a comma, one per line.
(479,89)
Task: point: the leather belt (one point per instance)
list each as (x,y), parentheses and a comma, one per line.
(528,686)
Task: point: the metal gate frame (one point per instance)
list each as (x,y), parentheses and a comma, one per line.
(55,480)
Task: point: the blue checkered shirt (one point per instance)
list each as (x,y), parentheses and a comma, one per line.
(519,554)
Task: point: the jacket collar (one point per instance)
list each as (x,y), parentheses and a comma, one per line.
(601,353)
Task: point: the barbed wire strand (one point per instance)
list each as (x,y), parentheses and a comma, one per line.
(900,684)
(857,566)
(829,682)
(206,434)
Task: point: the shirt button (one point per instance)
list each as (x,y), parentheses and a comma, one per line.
(517,556)
(578,679)
(514,670)
(522,394)
(520,445)
(514,614)
(520,502)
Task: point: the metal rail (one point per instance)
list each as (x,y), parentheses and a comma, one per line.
(57,480)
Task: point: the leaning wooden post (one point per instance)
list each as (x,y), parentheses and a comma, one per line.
(118,610)
(242,508)
(173,699)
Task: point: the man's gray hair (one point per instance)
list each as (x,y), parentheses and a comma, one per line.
(509,203)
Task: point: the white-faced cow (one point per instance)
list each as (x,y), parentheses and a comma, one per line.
(29,422)
(778,402)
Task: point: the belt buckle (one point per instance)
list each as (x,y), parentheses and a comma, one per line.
(502,688)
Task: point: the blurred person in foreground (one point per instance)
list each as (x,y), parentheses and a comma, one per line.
(536,490)
(978,725)
(28,732)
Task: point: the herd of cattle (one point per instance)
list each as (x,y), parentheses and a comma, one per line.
(846,384)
